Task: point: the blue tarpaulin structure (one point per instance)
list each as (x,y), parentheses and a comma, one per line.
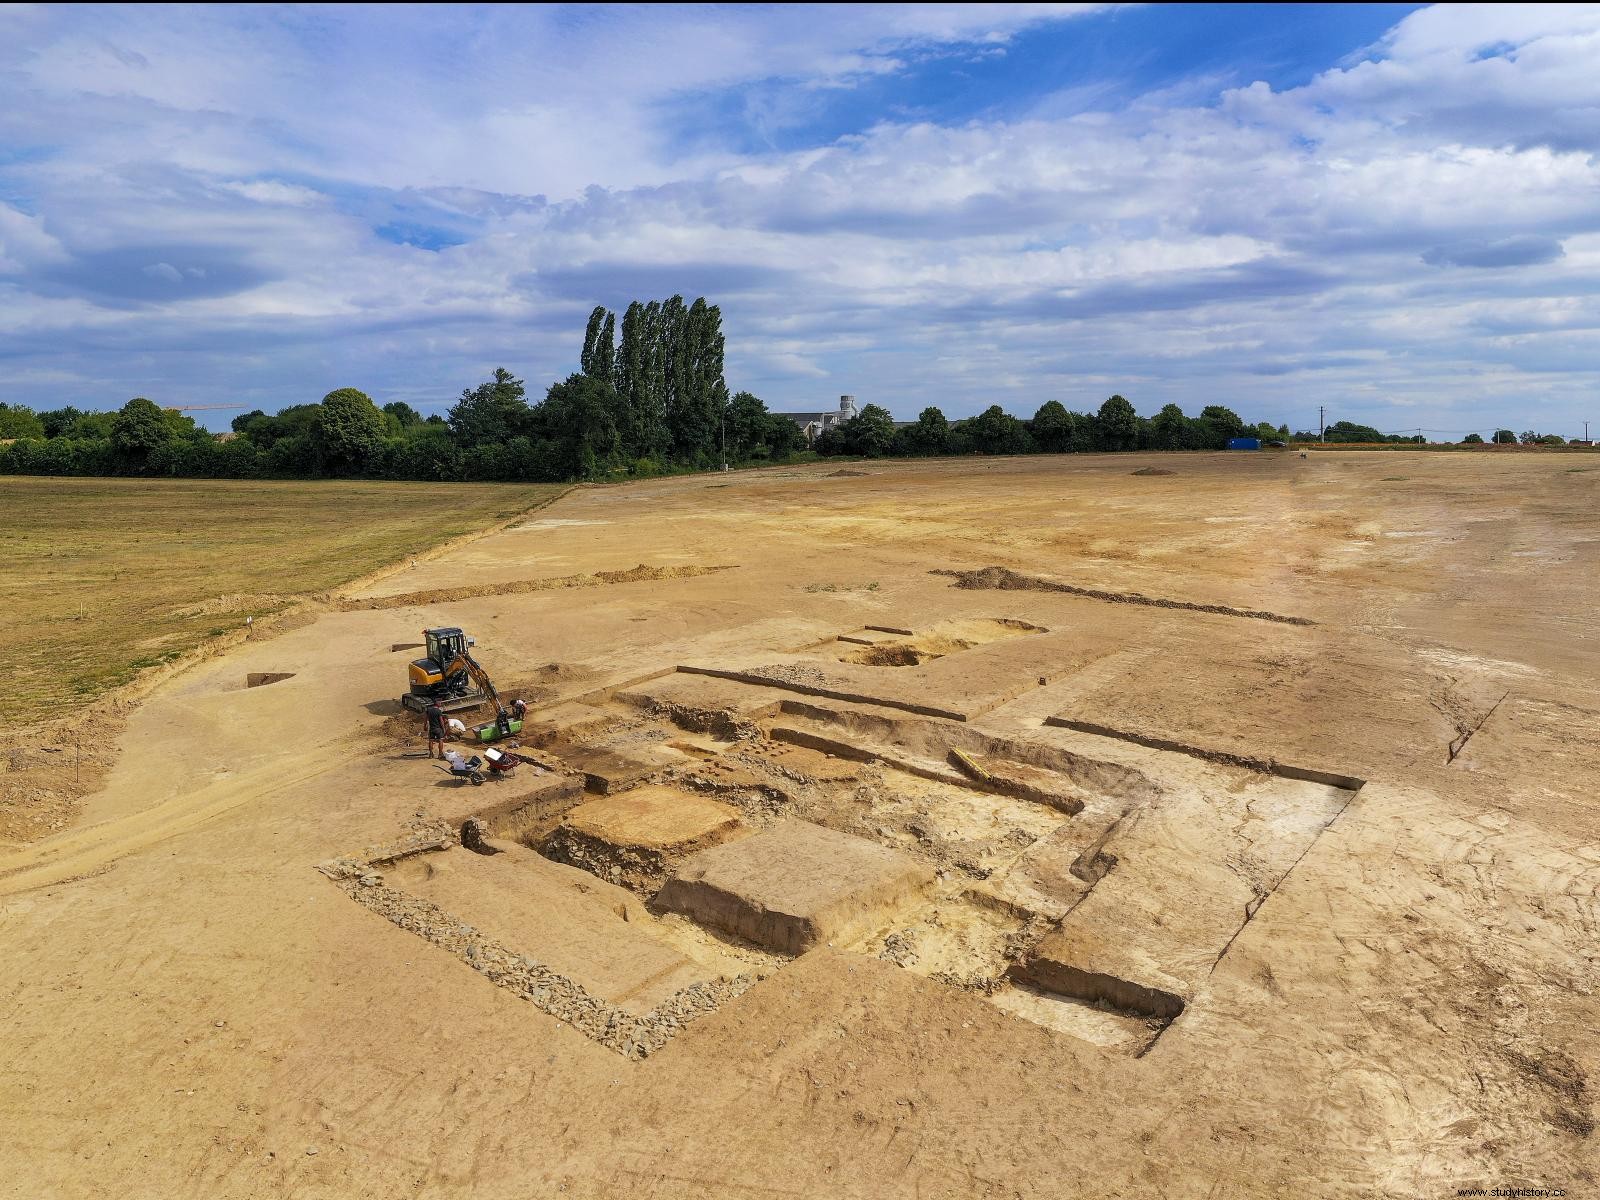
(1244,443)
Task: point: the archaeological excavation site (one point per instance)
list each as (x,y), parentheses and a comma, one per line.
(692,832)
(934,829)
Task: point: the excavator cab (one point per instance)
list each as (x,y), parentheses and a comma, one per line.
(445,645)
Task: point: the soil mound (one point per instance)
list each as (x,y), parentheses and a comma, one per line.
(518,586)
(1152,471)
(1003,579)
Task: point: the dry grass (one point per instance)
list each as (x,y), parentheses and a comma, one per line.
(108,576)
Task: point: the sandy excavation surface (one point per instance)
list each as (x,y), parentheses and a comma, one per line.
(1204,903)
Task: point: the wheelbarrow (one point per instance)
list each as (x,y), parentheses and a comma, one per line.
(469,770)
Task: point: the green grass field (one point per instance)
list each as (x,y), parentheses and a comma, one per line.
(108,576)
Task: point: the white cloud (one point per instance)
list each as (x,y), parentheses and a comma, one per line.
(1417,227)
(24,242)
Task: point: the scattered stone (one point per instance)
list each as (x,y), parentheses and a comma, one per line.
(475,837)
(633,1037)
(900,948)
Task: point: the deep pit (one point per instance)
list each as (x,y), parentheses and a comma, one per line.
(263,678)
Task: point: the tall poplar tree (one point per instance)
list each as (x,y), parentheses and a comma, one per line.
(631,383)
(591,339)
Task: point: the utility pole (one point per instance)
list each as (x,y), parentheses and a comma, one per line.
(1322,423)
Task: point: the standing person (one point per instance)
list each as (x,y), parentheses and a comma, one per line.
(435,716)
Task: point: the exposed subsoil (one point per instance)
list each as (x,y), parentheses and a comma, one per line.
(1388,990)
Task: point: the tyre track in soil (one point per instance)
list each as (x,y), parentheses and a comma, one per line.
(86,851)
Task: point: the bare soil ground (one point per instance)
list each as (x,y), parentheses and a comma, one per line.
(111,584)
(1226,832)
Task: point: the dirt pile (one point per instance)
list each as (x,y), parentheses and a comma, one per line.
(517,587)
(46,773)
(1004,579)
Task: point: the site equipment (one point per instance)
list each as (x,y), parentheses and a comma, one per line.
(468,770)
(448,675)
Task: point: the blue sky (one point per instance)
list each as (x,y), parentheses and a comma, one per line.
(1387,210)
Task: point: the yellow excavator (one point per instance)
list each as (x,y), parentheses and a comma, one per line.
(449,675)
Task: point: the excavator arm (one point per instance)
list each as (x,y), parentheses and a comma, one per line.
(474,669)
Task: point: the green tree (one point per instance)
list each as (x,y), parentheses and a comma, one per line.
(577,422)
(19,421)
(995,431)
(606,351)
(349,432)
(638,421)
(1472,439)
(404,415)
(672,370)
(1217,424)
(697,392)
(57,422)
(656,333)
(1504,437)
(1171,430)
(870,433)
(1349,431)
(1117,424)
(1052,427)
(296,421)
(91,426)
(784,437)
(138,432)
(589,359)
(426,452)
(599,357)
(748,426)
(929,436)
(492,413)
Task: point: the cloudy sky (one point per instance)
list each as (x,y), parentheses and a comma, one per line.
(1390,211)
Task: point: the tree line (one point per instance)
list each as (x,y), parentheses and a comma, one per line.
(654,401)
(649,397)
(1347,432)
(1053,429)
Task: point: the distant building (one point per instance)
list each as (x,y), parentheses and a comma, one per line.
(815,424)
